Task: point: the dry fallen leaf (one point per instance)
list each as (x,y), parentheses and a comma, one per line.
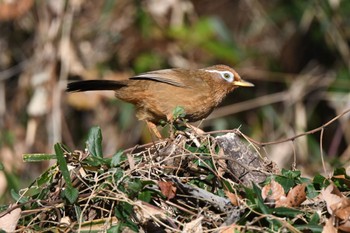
(194,226)
(328,227)
(337,205)
(167,188)
(146,211)
(273,192)
(295,197)
(8,222)
(233,197)
(331,195)
(222,168)
(341,209)
(345,227)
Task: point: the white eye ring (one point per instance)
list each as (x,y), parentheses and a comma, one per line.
(226,75)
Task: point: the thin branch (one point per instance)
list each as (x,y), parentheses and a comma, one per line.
(321,152)
(287,139)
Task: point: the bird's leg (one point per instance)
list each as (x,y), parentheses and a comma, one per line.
(153,128)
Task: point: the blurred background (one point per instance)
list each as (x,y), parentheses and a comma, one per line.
(295,52)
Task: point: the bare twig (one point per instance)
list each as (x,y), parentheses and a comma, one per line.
(286,139)
(321,151)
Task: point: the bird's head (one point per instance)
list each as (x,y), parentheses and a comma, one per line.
(227,77)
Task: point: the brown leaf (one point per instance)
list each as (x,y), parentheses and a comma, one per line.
(328,227)
(273,191)
(295,197)
(341,209)
(337,205)
(194,226)
(233,197)
(222,168)
(345,227)
(146,211)
(8,222)
(167,188)
(332,196)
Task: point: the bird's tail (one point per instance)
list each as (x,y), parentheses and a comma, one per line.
(94,85)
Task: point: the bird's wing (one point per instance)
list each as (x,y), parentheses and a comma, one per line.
(169,76)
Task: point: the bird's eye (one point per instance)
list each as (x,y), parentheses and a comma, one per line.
(227,76)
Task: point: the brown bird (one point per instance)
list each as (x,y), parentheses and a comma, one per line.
(157,93)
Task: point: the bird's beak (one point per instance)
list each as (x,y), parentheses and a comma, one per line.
(243,83)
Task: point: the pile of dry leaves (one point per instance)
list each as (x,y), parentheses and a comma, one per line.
(187,183)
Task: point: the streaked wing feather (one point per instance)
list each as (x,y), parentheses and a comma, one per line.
(169,76)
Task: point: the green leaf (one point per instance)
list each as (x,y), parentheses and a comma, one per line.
(46,177)
(119,173)
(18,198)
(118,213)
(311,191)
(339,171)
(133,226)
(291,174)
(320,182)
(286,212)
(117,158)
(128,209)
(62,164)
(250,194)
(145,196)
(179,112)
(114,229)
(124,211)
(315,219)
(341,179)
(259,201)
(37,157)
(94,142)
(134,186)
(96,161)
(33,191)
(286,182)
(228,186)
(265,209)
(316,228)
(70,193)
(77,209)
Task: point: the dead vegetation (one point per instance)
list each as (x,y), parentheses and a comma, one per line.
(187,183)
